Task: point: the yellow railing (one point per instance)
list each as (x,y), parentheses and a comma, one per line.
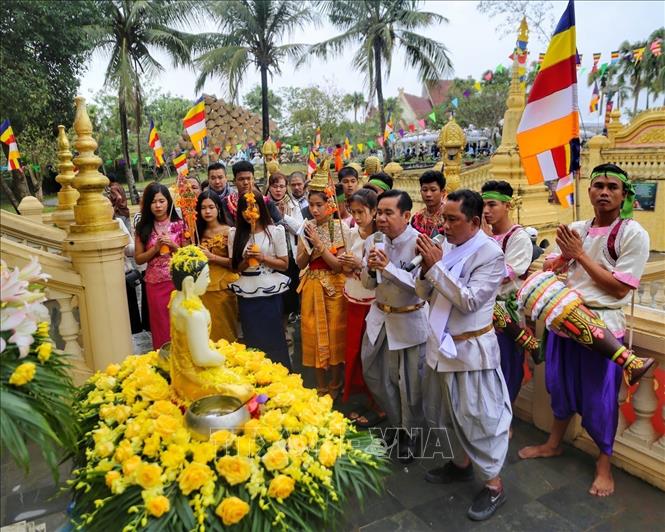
(65,296)
(475,177)
(32,234)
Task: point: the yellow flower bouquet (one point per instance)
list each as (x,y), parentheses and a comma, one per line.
(292,467)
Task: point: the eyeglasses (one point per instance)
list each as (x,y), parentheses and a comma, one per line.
(278,187)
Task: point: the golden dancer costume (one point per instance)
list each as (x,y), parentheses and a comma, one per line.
(323,305)
(218,299)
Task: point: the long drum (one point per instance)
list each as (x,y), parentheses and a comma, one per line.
(544,296)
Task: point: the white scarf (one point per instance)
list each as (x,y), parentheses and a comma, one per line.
(453,261)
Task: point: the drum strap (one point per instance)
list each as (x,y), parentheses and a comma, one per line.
(504,246)
(632,320)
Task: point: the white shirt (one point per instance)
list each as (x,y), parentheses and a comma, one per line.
(354,290)
(519,251)
(397,289)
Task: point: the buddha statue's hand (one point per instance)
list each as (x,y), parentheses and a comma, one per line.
(210,358)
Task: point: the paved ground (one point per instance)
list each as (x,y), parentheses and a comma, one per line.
(542,495)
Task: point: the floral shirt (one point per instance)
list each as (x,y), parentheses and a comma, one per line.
(158,267)
(428,224)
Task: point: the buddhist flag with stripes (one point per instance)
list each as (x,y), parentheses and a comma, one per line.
(389,128)
(548,134)
(595,98)
(317,139)
(311,163)
(195,124)
(7,137)
(596,59)
(638,53)
(180,163)
(156,144)
(614,57)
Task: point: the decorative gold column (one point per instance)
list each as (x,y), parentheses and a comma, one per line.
(63,217)
(533,208)
(451,142)
(614,126)
(96,246)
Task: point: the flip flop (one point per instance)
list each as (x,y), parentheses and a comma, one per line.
(371,419)
(354,415)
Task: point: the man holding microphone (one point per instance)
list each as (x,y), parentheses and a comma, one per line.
(393,346)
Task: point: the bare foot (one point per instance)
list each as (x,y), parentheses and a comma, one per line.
(603,484)
(539,451)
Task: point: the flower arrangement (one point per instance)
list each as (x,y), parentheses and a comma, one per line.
(186,200)
(251,215)
(291,467)
(36,390)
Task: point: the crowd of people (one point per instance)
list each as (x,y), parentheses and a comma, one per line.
(400,308)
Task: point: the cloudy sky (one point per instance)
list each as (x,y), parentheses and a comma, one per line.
(471,38)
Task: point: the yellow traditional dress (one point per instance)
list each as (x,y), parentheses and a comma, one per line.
(218,299)
(323,305)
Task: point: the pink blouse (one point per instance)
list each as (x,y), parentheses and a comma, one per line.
(158,267)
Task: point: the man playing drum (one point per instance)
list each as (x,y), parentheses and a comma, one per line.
(604,258)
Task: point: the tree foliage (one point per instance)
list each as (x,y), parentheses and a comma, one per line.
(509,13)
(44,52)
(253,101)
(377,28)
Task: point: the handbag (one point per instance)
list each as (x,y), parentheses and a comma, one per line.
(133,277)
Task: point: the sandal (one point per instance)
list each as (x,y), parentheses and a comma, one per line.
(354,415)
(371,419)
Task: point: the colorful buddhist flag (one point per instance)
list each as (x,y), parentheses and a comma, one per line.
(412,128)
(638,53)
(421,123)
(579,61)
(317,138)
(595,98)
(195,124)
(656,47)
(311,162)
(7,137)
(548,134)
(156,144)
(389,128)
(477,86)
(180,163)
(608,109)
(596,59)
(614,57)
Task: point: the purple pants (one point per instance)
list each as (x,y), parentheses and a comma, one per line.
(512,364)
(584,382)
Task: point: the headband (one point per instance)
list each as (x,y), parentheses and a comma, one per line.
(627,207)
(378,183)
(494,195)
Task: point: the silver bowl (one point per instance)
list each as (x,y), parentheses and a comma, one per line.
(216,412)
(165,352)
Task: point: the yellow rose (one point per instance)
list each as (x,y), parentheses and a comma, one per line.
(173,456)
(151,445)
(23,374)
(251,427)
(270,434)
(292,423)
(122,413)
(105,382)
(337,424)
(203,452)
(166,408)
(130,465)
(263,377)
(235,469)
(112,369)
(246,445)
(194,476)
(158,506)
(328,454)
(222,438)
(43,329)
(148,475)
(111,477)
(272,418)
(44,351)
(123,451)
(166,425)
(281,487)
(181,436)
(297,444)
(156,390)
(275,459)
(232,510)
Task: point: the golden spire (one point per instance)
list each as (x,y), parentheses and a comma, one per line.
(67,195)
(320,178)
(93,211)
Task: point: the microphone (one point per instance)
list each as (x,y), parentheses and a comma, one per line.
(438,239)
(379,244)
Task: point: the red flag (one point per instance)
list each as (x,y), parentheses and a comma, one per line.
(412,128)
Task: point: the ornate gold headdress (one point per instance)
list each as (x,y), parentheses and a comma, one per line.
(321,177)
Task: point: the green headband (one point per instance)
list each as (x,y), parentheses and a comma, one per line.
(627,207)
(496,196)
(378,183)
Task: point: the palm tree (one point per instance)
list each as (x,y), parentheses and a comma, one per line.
(128,31)
(632,72)
(355,101)
(379,27)
(251,32)
(654,67)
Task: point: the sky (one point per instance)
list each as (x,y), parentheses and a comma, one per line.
(473,42)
